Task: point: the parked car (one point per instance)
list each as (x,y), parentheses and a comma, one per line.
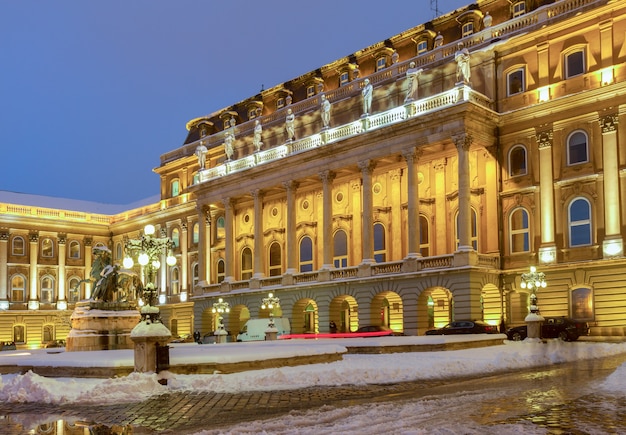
(211,338)
(464,327)
(187,338)
(562,327)
(8,345)
(376,330)
(55,343)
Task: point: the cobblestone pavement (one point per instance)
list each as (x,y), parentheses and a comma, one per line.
(184,413)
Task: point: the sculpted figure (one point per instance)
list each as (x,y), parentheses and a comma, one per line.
(412,74)
(290,125)
(201,153)
(228,144)
(487,19)
(367,92)
(438,40)
(462,58)
(256,139)
(325,107)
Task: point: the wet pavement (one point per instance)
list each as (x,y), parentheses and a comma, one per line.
(558,399)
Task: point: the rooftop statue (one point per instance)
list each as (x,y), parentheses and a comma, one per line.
(256,139)
(367,92)
(201,152)
(290,125)
(412,74)
(462,58)
(325,109)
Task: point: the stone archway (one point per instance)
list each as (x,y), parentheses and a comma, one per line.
(343,310)
(387,309)
(305,317)
(434,309)
(517,307)
(239,315)
(492,305)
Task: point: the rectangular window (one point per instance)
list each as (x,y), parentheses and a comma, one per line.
(422,46)
(515,82)
(574,64)
(310,91)
(381,64)
(280,103)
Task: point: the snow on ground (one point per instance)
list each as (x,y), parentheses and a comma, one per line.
(354,369)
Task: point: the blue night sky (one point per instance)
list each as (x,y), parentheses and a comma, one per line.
(93,92)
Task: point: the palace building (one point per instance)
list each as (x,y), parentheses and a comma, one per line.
(408,184)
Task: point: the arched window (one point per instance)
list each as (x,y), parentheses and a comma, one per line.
(340,256)
(74,250)
(473,229)
(246,264)
(579,222)
(47,333)
(18,247)
(515,81)
(517,161)
(74,290)
(176,238)
(306,254)
(518,8)
(175,282)
(175,187)
(220,270)
(195,233)
(275,259)
(47,289)
(100,245)
(574,63)
(220,226)
(195,274)
(424,236)
(577,151)
(582,304)
(18,288)
(19,334)
(380,249)
(519,231)
(47,247)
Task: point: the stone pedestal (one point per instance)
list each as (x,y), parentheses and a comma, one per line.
(533,326)
(147,337)
(271,335)
(102,326)
(220,336)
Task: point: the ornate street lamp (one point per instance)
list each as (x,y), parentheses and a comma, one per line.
(148,250)
(270,302)
(220,307)
(533,281)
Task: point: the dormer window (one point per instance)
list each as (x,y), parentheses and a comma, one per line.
(310,91)
(519,8)
(381,63)
(467,29)
(344,78)
(252,113)
(422,47)
(280,103)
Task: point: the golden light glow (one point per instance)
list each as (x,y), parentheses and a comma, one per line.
(543,94)
(607,76)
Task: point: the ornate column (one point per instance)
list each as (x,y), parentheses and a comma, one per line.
(367,168)
(229,216)
(4,249)
(88,259)
(547,250)
(463,142)
(327,178)
(33,300)
(62,299)
(613,244)
(291,187)
(184,259)
(411,156)
(442,226)
(258,233)
(204,247)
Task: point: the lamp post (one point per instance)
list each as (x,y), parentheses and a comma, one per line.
(533,281)
(148,250)
(150,335)
(220,307)
(270,302)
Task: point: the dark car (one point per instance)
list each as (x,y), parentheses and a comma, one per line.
(464,327)
(563,328)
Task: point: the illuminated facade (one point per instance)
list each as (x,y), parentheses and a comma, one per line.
(426,208)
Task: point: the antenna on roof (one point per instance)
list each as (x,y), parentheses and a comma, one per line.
(434,6)
(262,87)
